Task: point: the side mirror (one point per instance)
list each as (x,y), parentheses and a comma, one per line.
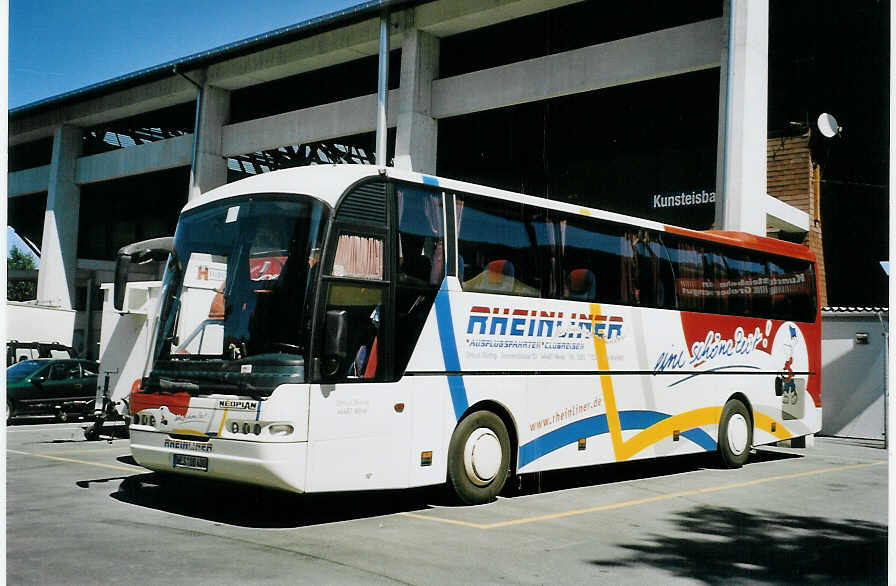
(336,342)
(138,252)
(38,380)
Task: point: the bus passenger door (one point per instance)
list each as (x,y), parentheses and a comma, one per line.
(359,424)
(360,421)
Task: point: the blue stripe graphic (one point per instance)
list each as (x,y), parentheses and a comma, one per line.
(565,435)
(701,438)
(427,180)
(449,351)
(597,425)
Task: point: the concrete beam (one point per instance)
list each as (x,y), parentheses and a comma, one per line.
(28,181)
(692,47)
(316,52)
(344,118)
(445,18)
(114,106)
(785,217)
(441,18)
(145,158)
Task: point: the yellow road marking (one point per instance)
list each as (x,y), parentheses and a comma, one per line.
(446,521)
(641,501)
(74,461)
(68,452)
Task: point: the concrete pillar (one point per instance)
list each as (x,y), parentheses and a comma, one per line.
(417,131)
(59,247)
(210,167)
(743,117)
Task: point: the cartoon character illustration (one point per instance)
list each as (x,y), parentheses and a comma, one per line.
(787,386)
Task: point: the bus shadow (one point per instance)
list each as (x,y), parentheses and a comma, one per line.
(260,508)
(715,545)
(542,482)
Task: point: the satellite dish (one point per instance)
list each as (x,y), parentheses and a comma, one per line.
(828,126)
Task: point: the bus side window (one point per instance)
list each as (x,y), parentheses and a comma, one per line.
(497,250)
(421,246)
(420,265)
(597,262)
(364,306)
(792,289)
(360,256)
(687,267)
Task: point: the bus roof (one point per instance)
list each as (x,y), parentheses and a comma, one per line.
(327,183)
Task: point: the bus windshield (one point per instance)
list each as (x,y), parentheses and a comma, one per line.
(234,290)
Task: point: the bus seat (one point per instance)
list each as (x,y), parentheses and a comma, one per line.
(499,276)
(582,285)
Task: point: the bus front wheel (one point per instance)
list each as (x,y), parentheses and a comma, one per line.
(735,434)
(479,458)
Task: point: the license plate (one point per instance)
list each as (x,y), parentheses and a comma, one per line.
(191,462)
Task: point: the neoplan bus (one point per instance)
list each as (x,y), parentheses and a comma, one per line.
(333,328)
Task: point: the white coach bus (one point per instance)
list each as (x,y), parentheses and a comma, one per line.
(333,328)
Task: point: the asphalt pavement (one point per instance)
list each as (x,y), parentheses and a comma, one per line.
(83,512)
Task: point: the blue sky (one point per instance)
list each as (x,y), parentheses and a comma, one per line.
(56,46)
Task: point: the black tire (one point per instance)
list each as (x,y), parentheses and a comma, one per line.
(485,433)
(735,434)
(10,413)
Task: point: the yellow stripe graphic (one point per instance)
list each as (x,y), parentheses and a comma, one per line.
(185,431)
(625,449)
(223,420)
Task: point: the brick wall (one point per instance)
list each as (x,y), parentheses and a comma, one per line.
(792,179)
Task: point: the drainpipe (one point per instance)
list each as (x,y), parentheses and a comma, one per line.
(382,91)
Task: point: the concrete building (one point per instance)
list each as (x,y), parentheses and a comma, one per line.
(854,348)
(612,106)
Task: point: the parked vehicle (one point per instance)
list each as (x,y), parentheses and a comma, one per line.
(18,351)
(51,386)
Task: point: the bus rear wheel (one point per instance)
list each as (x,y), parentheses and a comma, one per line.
(479,458)
(735,434)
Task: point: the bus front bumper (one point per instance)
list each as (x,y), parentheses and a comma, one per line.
(273,464)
